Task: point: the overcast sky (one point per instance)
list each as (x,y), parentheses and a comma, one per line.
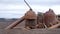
(17,8)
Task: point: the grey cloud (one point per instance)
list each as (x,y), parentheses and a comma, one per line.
(11,1)
(46,2)
(3,13)
(36,2)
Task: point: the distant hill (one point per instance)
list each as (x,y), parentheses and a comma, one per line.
(4,19)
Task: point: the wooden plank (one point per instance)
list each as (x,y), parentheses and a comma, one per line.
(54,26)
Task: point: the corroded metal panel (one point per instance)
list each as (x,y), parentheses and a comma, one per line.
(30,14)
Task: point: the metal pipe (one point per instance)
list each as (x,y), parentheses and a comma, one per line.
(27,4)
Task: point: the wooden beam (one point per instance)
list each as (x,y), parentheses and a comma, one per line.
(54,26)
(15,23)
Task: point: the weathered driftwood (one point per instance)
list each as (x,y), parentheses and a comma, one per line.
(54,26)
(15,23)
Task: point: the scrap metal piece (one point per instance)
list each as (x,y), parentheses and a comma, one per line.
(40,20)
(27,4)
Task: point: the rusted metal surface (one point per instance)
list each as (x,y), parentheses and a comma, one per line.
(30,18)
(31,23)
(40,20)
(30,14)
(50,18)
(58,17)
(40,17)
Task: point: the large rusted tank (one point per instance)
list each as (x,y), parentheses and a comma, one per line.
(40,20)
(50,18)
(30,19)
